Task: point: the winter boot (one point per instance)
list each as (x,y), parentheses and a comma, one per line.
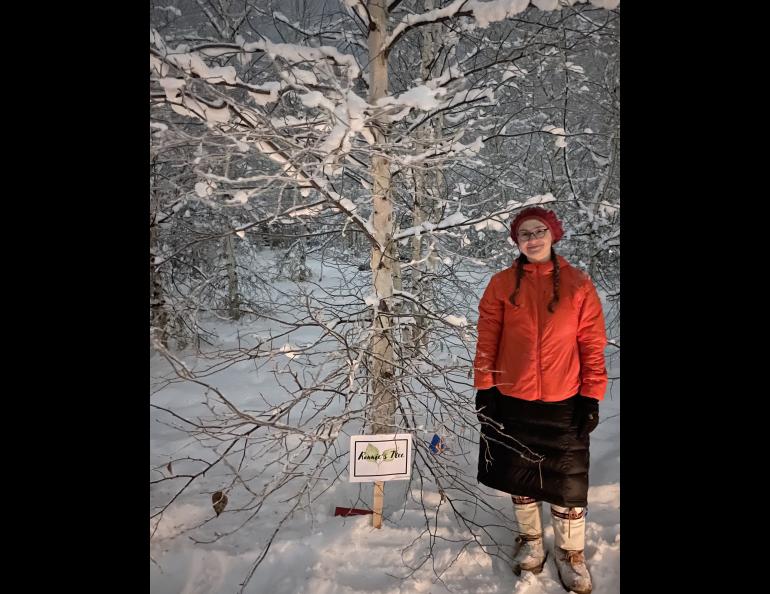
(529,554)
(573,573)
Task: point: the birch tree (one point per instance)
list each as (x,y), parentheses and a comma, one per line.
(415,128)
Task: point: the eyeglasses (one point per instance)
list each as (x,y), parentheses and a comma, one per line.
(536,234)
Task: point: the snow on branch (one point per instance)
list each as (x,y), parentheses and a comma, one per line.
(457,219)
(484,13)
(188,59)
(298,53)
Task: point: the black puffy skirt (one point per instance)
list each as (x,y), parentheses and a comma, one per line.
(532,449)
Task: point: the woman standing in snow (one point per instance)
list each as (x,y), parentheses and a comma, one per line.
(540,373)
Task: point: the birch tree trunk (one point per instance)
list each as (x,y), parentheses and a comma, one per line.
(158,311)
(383,405)
(233,303)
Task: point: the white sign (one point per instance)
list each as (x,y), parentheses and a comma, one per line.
(384,457)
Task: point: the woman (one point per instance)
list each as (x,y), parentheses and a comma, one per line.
(540,373)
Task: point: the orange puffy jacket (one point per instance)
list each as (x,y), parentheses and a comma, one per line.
(533,354)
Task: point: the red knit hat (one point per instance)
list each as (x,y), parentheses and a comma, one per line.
(547,217)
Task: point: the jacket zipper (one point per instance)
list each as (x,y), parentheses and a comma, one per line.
(537,322)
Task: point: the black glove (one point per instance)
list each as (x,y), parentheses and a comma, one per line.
(587,410)
(486,404)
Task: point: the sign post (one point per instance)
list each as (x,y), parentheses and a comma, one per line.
(379,458)
(379,487)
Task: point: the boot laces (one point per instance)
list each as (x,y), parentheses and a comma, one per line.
(574,557)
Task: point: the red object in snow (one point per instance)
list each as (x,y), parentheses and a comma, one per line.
(351,511)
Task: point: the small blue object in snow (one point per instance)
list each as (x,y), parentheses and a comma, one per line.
(437,445)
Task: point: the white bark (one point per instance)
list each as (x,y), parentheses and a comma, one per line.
(384,400)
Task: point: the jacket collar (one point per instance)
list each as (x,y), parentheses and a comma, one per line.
(544,268)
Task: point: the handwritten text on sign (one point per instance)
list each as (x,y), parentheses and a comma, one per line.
(384,457)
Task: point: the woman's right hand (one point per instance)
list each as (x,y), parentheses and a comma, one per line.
(486,404)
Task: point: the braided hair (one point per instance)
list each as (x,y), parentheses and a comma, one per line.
(555,298)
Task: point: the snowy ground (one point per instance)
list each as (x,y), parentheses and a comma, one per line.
(194,551)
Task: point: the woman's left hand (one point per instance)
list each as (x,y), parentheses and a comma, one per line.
(587,415)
